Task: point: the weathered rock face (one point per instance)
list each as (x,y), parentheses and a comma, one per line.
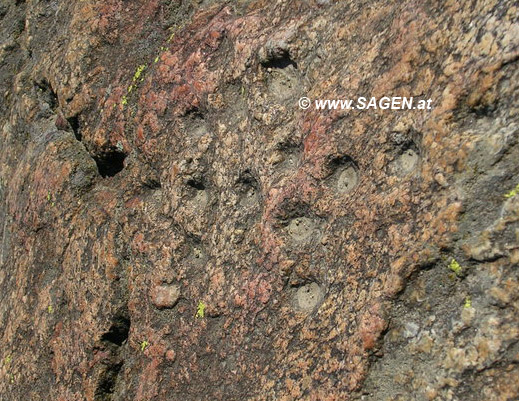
(175,227)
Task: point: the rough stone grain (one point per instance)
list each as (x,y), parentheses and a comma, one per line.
(146,143)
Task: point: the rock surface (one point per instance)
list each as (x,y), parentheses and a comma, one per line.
(165,296)
(159,143)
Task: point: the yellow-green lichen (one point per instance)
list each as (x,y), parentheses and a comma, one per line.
(49,199)
(455,267)
(200,310)
(174,29)
(513,192)
(144,345)
(137,77)
(138,72)
(468,302)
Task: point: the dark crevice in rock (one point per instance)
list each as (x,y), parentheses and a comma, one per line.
(118,332)
(291,209)
(484,110)
(249,190)
(110,367)
(105,388)
(74,124)
(289,147)
(46,93)
(152,183)
(193,112)
(341,161)
(411,145)
(196,184)
(279,60)
(247,182)
(110,162)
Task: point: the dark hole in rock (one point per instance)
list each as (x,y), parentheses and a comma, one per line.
(46,93)
(74,123)
(247,187)
(196,184)
(118,332)
(152,183)
(290,209)
(247,182)
(193,112)
(485,110)
(279,60)
(340,161)
(110,163)
(106,386)
(289,146)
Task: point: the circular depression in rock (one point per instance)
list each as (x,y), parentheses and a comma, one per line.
(348,180)
(408,161)
(301,228)
(308,297)
(200,200)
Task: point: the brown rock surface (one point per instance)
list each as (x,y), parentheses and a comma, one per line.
(157,143)
(165,296)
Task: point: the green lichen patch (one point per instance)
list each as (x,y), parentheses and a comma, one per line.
(455,267)
(137,77)
(512,193)
(138,72)
(200,310)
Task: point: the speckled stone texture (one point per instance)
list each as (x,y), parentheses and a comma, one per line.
(174,227)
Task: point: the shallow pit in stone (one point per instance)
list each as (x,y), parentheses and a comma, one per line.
(301,228)
(348,180)
(408,161)
(308,297)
